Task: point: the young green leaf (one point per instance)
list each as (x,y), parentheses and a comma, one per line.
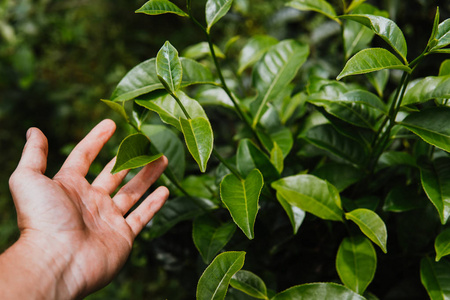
(435,277)
(356,263)
(254,50)
(355,4)
(311,194)
(250,284)
(201,50)
(276,157)
(134,152)
(274,71)
(215,10)
(432,41)
(371,225)
(210,237)
(117,107)
(431,125)
(295,214)
(157,7)
(371,60)
(444,69)
(168,67)
(384,28)
(431,87)
(442,244)
(241,198)
(213,283)
(442,36)
(318,291)
(436,183)
(320,6)
(199,139)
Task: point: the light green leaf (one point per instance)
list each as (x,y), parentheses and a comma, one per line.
(157,7)
(215,10)
(201,50)
(320,6)
(274,71)
(295,214)
(317,291)
(254,50)
(444,69)
(117,107)
(213,283)
(356,263)
(431,87)
(384,28)
(311,194)
(134,152)
(435,179)
(442,244)
(371,225)
(355,4)
(241,197)
(210,237)
(168,67)
(435,277)
(199,139)
(443,35)
(214,96)
(432,125)
(250,284)
(371,60)
(276,157)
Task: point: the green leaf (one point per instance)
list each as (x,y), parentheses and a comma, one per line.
(214,96)
(401,199)
(355,4)
(442,244)
(168,67)
(134,153)
(295,214)
(379,80)
(250,157)
(175,211)
(371,225)
(311,291)
(157,7)
(320,6)
(169,110)
(213,283)
(431,125)
(431,87)
(199,139)
(432,40)
(274,72)
(371,60)
(215,10)
(117,107)
(435,277)
(356,263)
(311,194)
(276,157)
(254,50)
(338,174)
(443,35)
(210,237)
(444,69)
(436,183)
(384,28)
(201,50)
(250,284)
(395,158)
(241,197)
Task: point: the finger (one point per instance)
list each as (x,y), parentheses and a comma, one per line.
(109,182)
(34,155)
(131,192)
(82,156)
(140,217)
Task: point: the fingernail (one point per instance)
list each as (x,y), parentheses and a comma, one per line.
(29,133)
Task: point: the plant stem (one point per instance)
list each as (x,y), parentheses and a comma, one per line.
(226,164)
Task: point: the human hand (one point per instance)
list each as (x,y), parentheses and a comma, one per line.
(76,223)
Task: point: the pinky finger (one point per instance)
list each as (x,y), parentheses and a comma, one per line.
(140,217)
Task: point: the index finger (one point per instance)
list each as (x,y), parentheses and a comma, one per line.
(82,156)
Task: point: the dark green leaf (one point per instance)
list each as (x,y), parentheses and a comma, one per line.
(356,263)
(401,199)
(295,214)
(215,10)
(435,277)
(254,50)
(134,152)
(379,80)
(168,67)
(318,291)
(213,283)
(157,7)
(320,6)
(395,158)
(338,174)
(431,87)
(276,157)
(311,194)
(442,244)
(241,197)
(250,284)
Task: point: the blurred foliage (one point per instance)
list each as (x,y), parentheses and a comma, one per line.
(58,58)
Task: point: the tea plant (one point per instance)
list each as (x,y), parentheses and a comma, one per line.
(341,152)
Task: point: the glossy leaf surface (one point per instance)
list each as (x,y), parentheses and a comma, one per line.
(435,277)
(210,237)
(371,60)
(254,50)
(241,198)
(431,125)
(371,225)
(250,157)
(443,35)
(157,7)
(431,87)
(318,291)
(295,214)
(168,67)
(250,284)
(356,263)
(200,50)
(134,152)
(199,139)
(442,244)
(320,6)
(311,194)
(213,283)
(215,10)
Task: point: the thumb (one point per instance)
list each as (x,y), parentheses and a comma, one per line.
(34,155)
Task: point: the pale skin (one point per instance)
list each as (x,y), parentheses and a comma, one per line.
(74,237)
